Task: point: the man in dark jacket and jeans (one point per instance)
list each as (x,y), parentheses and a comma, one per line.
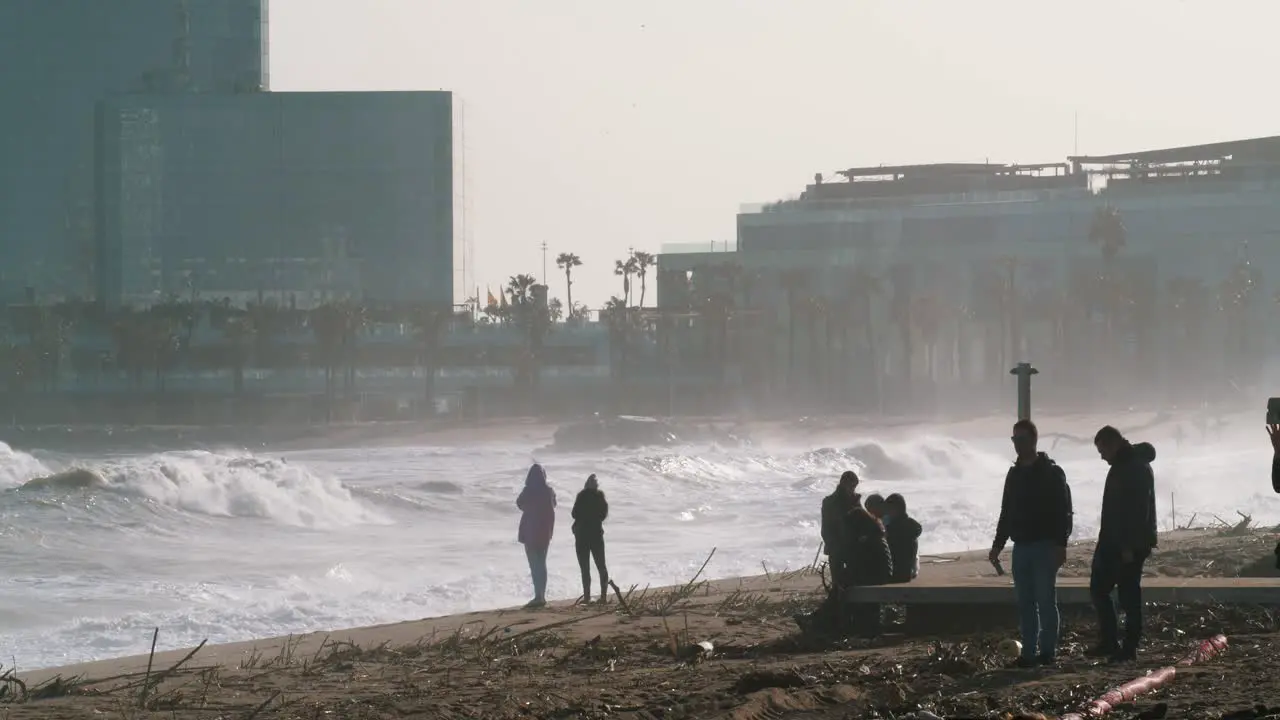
(1036,514)
(1126,536)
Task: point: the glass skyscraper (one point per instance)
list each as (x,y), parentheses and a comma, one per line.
(58,58)
(299,197)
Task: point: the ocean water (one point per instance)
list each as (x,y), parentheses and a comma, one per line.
(231,546)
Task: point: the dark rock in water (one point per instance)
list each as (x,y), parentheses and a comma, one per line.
(627,431)
(633,431)
(73,479)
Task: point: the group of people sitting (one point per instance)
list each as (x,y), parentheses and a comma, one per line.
(871,542)
(867,542)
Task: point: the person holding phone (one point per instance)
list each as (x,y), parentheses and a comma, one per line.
(1273,429)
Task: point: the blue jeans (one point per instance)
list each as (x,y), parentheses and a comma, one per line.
(538,569)
(1035,582)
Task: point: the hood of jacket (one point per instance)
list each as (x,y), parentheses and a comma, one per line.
(591,494)
(906,525)
(1141,452)
(537,477)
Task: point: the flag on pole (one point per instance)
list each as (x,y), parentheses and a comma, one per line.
(493,301)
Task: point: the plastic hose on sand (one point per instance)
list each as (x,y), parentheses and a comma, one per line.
(1154,680)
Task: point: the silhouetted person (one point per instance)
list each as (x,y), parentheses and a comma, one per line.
(870,563)
(537,503)
(1126,536)
(1274,432)
(1036,513)
(903,535)
(834,509)
(589,512)
(875,505)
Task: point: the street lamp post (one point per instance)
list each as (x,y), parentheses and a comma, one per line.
(1024,371)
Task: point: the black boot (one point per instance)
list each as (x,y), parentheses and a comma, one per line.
(586,593)
(604,593)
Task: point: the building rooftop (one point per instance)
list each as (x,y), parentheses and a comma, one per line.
(934,170)
(1264,149)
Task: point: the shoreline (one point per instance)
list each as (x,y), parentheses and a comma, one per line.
(948,566)
(811,430)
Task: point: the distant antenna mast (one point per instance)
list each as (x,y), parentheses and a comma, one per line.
(1075,137)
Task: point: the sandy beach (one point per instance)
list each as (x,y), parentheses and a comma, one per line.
(721,649)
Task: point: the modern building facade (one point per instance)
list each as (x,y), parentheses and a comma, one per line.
(950,271)
(60,57)
(300,196)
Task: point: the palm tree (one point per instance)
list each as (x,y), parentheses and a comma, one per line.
(567,262)
(815,315)
(326,328)
(901,307)
(520,288)
(267,322)
(1107,231)
(1010,311)
(126,336)
(643,261)
(238,332)
(625,269)
(533,320)
(793,281)
(927,314)
(162,340)
(430,322)
(615,316)
(863,289)
(354,320)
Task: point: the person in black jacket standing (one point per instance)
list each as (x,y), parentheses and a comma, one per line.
(1126,536)
(1036,513)
(1274,432)
(903,534)
(589,512)
(835,508)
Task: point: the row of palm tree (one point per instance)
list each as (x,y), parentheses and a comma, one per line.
(162,337)
(834,338)
(1098,324)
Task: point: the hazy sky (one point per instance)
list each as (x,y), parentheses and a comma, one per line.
(596,126)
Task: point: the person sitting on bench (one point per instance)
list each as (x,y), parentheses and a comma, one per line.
(903,534)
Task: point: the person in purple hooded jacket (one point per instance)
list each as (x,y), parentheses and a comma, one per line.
(537,503)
